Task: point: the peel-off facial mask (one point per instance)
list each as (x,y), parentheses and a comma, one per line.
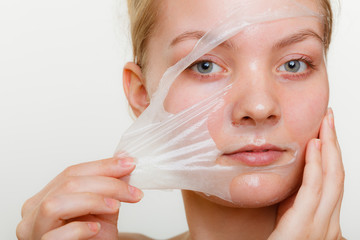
(197,145)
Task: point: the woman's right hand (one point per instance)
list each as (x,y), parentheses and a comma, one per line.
(82,202)
(314,211)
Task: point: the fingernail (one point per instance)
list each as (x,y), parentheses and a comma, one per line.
(112,203)
(126,163)
(94,227)
(137,193)
(331,118)
(318,144)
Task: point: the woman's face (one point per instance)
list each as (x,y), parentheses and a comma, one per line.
(279,93)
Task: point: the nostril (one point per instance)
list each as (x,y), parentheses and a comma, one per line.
(272,119)
(248,121)
(244,121)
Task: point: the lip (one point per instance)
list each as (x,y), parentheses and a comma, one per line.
(252,155)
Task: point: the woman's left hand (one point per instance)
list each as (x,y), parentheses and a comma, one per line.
(314,211)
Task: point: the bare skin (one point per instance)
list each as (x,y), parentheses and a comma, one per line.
(311,213)
(135,236)
(314,211)
(59,210)
(83,201)
(316,205)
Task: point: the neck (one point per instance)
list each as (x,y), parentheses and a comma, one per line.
(209,220)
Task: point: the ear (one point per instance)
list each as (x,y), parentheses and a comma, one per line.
(134,88)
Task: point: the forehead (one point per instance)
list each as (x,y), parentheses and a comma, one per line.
(177,16)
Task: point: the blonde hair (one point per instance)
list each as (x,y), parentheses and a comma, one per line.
(143,16)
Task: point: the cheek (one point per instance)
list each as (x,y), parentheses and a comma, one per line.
(177,100)
(304,110)
(185,92)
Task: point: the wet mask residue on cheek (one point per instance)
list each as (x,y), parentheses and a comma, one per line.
(199,147)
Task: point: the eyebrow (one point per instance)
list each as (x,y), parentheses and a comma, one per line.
(289,40)
(297,37)
(195,35)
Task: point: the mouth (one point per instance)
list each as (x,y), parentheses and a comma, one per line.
(252,155)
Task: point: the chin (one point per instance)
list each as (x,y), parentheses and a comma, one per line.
(256,190)
(261,189)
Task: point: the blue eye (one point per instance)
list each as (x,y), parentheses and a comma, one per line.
(206,67)
(293,66)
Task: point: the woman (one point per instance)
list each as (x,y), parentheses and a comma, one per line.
(83,201)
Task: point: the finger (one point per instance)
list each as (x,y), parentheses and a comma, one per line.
(307,199)
(28,214)
(111,167)
(333,170)
(73,231)
(334,230)
(23,230)
(54,211)
(31,204)
(73,205)
(106,186)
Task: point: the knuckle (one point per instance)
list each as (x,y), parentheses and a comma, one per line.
(48,207)
(21,231)
(69,171)
(70,184)
(339,178)
(27,203)
(317,191)
(25,207)
(121,190)
(108,163)
(114,161)
(314,187)
(92,197)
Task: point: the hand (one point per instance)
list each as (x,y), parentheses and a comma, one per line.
(314,212)
(82,202)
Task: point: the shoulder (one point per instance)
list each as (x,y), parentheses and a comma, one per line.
(137,236)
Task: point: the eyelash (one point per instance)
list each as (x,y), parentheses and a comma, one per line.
(294,76)
(298,76)
(308,61)
(208,77)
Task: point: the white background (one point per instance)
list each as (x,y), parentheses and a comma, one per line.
(61,103)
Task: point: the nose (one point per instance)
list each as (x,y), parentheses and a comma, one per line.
(256,105)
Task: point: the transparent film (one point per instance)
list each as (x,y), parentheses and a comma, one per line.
(193,141)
